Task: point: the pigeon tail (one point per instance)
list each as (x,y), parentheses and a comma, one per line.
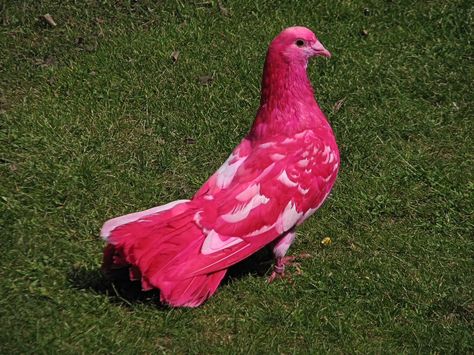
(152,244)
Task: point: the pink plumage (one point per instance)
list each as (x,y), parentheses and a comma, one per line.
(278,176)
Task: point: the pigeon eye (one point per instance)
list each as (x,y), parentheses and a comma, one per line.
(299,43)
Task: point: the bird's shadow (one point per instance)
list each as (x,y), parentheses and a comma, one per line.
(122,291)
(258,264)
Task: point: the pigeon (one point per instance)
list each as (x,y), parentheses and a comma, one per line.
(278,176)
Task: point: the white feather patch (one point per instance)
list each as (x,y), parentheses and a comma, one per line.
(284,244)
(326,151)
(248,193)
(302,191)
(241,212)
(260,230)
(227,171)
(285,180)
(277,156)
(267,145)
(197,219)
(300,135)
(288,218)
(303,163)
(214,243)
(331,158)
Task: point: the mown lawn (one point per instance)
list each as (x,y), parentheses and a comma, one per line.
(97,120)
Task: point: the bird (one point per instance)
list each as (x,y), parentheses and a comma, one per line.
(280,174)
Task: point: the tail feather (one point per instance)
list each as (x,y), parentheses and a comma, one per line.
(153,246)
(191,292)
(114,223)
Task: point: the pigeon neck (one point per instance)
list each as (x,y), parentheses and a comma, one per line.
(287,103)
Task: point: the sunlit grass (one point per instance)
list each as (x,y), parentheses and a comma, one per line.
(97,121)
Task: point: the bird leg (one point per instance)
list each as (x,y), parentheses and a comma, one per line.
(281,261)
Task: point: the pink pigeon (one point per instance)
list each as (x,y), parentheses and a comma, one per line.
(277,177)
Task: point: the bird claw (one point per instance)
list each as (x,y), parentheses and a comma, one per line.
(275,275)
(279,268)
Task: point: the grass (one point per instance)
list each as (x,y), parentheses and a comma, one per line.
(96,121)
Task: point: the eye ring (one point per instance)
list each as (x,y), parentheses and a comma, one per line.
(300,42)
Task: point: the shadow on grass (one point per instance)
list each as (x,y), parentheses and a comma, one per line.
(118,287)
(124,292)
(257,264)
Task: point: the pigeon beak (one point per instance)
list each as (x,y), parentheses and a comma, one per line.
(318,49)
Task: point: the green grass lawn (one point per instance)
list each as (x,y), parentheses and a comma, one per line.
(97,121)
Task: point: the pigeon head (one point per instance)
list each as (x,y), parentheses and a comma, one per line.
(297,44)
(287,102)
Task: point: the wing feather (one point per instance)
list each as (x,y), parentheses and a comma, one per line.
(261,199)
